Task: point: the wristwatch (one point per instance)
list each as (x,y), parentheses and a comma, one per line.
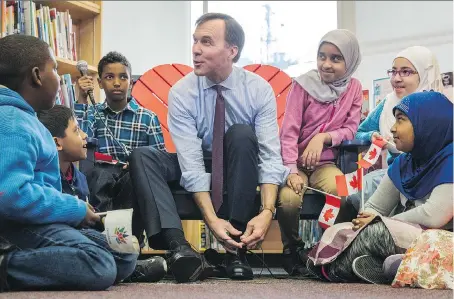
(272,210)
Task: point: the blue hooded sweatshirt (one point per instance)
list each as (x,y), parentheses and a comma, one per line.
(30,186)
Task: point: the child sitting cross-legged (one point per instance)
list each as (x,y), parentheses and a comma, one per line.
(71,143)
(47,240)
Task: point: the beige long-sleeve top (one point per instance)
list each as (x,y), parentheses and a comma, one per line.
(435,210)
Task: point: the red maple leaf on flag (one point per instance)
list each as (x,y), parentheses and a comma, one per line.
(328,214)
(354,182)
(380,142)
(372,154)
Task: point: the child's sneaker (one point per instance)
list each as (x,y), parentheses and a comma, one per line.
(370,269)
(150,270)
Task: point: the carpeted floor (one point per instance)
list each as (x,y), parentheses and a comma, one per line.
(257,288)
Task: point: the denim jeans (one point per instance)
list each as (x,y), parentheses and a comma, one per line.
(57,256)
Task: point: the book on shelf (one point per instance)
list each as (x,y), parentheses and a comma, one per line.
(48,24)
(67,94)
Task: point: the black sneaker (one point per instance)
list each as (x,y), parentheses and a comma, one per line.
(294,262)
(3,282)
(185,264)
(150,270)
(370,269)
(315,271)
(5,249)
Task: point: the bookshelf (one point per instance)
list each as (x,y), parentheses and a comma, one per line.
(83,18)
(79,10)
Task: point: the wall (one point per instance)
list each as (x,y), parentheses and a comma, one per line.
(148,33)
(384,28)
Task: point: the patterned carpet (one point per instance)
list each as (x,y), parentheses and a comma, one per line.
(257,288)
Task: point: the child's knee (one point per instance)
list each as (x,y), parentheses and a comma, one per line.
(288,199)
(103,269)
(331,188)
(126,266)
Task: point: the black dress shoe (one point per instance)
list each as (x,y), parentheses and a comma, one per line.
(215,264)
(185,264)
(237,267)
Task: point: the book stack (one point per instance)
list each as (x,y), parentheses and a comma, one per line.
(27,17)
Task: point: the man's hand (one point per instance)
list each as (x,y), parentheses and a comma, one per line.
(295,182)
(256,229)
(363,219)
(84,84)
(90,219)
(222,230)
(313,151)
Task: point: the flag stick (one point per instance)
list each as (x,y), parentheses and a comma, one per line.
(316,190)
(362,189)
(390,143)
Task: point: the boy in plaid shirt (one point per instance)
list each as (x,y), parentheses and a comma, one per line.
(132,125)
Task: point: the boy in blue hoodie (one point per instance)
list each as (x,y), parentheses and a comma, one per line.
(71,144)
(46,237)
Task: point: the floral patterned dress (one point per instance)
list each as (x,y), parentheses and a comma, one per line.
(428,263)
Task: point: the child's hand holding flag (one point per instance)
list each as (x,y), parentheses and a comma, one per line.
(372,155)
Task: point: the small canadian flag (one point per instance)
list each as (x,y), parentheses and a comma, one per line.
(329,212)
(349,183)
(372,155)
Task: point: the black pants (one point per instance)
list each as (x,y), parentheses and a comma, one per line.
(111,189)
(152,170)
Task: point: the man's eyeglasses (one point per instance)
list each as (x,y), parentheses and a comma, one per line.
(402,73)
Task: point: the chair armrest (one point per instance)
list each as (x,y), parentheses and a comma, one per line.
(348,154)
(355,143)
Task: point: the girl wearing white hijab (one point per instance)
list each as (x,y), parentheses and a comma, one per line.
(414,69)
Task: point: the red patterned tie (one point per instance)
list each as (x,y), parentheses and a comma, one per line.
(217,177)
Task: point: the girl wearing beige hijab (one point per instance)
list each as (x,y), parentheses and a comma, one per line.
(323,108)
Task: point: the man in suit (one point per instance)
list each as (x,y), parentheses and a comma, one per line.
(223,122)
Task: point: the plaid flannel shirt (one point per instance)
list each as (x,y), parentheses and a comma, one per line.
(134,127)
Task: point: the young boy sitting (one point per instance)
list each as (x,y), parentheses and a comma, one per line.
(45,235)
(132,126)
(71,145)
